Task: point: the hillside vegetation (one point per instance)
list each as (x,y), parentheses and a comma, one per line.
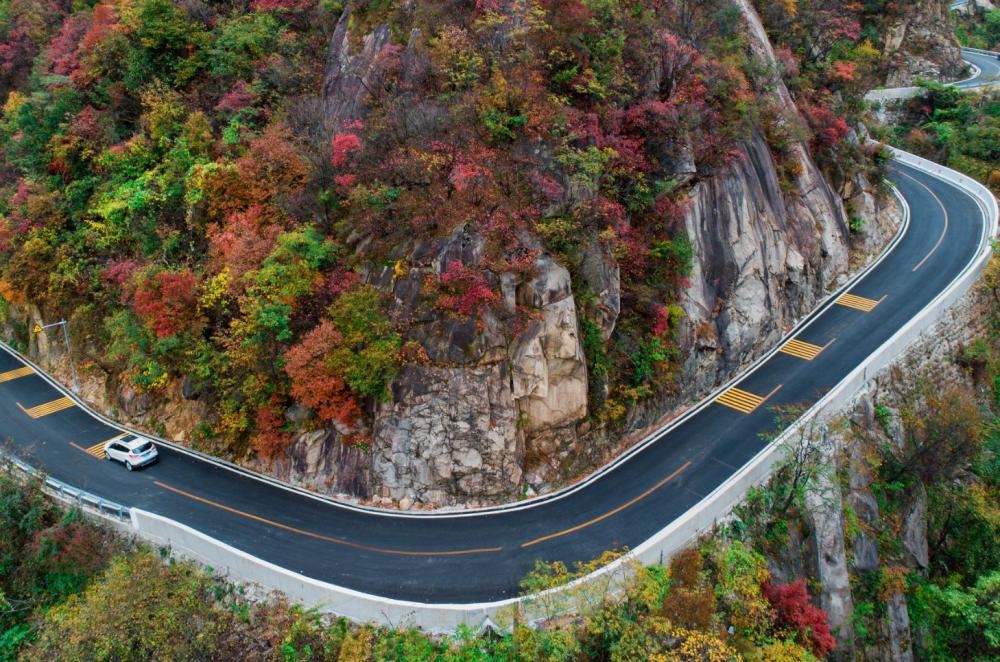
(72,591)
(177,183)
(925,460)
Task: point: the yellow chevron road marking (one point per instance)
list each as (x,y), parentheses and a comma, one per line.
(744,401)
(15,374)
(97,450)
(859,303)
(48,407)
(803,350)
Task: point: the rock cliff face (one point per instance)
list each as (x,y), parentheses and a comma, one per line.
(449,433)
(496,410)
(474,423)
(762,260)
(921,44)
(839,542)
(765,251)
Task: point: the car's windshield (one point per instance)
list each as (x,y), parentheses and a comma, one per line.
(143,448)
(128,438)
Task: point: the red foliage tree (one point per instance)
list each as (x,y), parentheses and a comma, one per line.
(464,173)
(342,146)
(661,323)
(828,129)
(345,181)
(62,57)
(841,26)
(167,301)
(465,290)
(100,27)
(796,614)
(844,71)
(244,241)
(103,25)
(119,273)
(548,187)
(16,51)
(272,168)
(670,212)
(679,62)
(270,439)
(315,384)
(236,98)
(90,128)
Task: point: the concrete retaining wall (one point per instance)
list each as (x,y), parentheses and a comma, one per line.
(894,94)
(185,542)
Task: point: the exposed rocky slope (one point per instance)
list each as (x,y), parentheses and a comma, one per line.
(494,412)
(459,430)
(855,540)
(762,257)
(920,44)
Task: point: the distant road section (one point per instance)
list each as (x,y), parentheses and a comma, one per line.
(988,65)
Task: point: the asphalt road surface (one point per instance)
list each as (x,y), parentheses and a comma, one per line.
(481,557)
(989,67)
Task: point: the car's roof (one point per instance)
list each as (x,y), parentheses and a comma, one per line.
(132,440)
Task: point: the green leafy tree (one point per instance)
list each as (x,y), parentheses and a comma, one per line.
(140,610)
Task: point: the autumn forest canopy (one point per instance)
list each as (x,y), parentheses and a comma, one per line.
(188,184)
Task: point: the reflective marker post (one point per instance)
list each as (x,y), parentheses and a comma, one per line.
(69,349)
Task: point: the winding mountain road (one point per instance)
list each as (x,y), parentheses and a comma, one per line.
(479,556)
(988,66)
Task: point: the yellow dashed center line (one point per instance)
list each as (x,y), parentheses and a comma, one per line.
(859,303)
(319,536)
(48,407)
(744,401)
(610,512)
(944,230)
(803,350)
(15,374)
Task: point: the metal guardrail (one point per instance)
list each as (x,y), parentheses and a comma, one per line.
(68,493)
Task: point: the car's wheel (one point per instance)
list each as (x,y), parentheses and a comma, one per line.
(128,465)
(106,456)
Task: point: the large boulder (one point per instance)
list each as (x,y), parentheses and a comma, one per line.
(321,459)
(548,364)
(922,45)
(448,435)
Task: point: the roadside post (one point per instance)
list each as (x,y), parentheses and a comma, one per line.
(69,348)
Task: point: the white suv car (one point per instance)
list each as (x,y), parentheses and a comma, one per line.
(133,451)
